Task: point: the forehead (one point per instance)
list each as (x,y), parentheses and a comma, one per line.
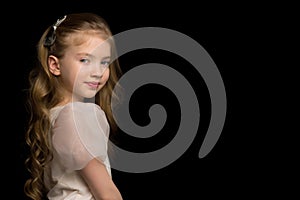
(89,44)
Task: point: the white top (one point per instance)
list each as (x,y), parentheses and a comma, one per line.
(79,133)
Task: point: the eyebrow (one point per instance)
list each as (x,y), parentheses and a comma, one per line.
(106,57)
(92,56)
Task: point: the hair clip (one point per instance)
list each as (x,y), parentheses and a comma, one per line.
(58,22)
(51,36)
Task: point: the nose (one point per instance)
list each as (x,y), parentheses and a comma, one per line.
(97,76)
(97,72)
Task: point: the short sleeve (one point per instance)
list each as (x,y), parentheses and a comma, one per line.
(79,134)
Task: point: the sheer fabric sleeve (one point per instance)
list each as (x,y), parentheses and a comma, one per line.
(80,133)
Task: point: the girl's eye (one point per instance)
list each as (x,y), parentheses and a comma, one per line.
(84,60)
(105,63)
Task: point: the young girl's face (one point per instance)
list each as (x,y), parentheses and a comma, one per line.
(85,68)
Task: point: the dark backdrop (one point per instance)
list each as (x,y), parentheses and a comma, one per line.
(233,169)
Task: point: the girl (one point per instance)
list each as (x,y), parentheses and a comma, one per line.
(70,115)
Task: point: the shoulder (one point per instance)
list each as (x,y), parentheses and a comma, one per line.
(80,119)
(77,111)
(81,107)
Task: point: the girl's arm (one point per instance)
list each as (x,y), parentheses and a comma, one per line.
(99,181)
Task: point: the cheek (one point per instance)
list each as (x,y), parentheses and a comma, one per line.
(105,76)
(65,75)
(70,76)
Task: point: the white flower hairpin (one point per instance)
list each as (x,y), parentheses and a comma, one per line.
(51,36)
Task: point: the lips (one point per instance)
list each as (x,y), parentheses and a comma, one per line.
(93,85)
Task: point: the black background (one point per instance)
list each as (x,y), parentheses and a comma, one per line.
(240,165)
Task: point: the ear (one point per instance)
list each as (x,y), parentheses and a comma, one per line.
(54,66)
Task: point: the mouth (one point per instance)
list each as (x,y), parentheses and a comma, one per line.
(92,84)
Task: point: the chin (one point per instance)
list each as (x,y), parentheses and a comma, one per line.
(90,94)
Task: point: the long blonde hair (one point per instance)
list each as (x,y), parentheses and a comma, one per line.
(43,94)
